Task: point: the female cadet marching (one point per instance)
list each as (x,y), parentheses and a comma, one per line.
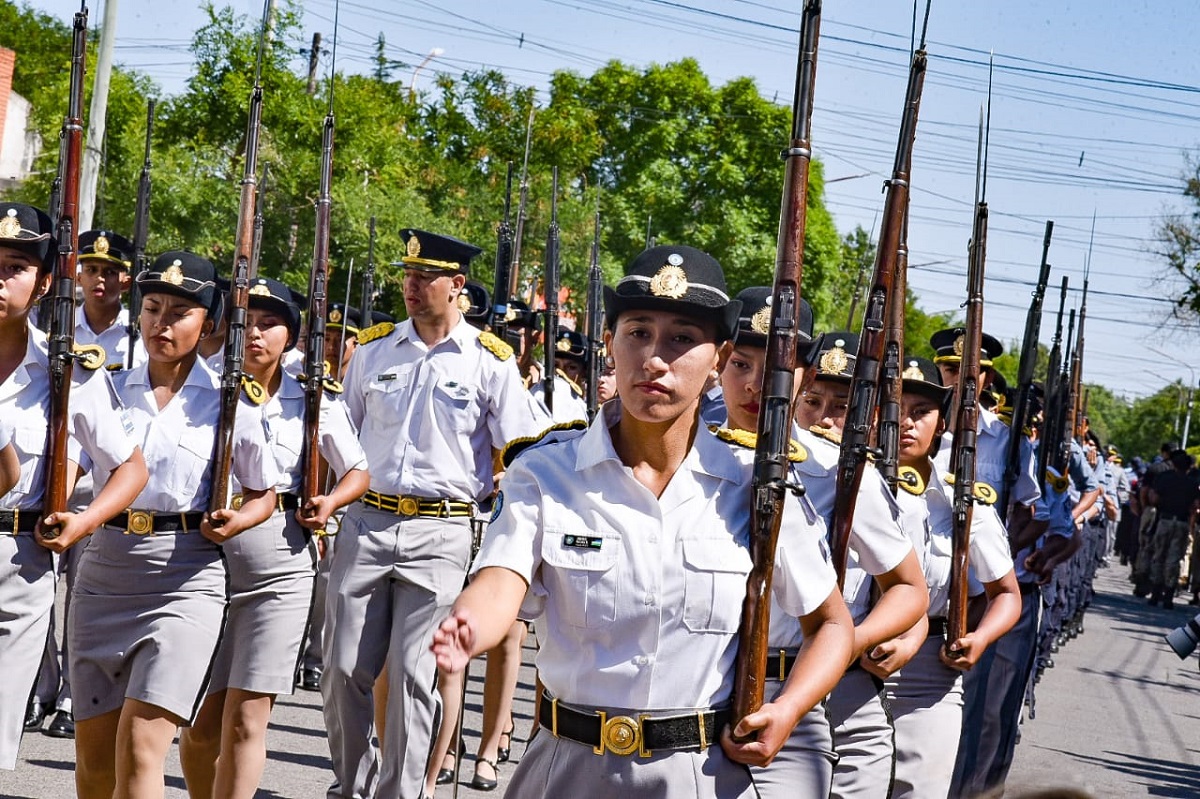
(150,597)
(631,538)
(805,765)
(925,695)
(272,566)
(27,256)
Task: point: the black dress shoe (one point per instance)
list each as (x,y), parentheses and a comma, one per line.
(503,751)
(35,716)
(310,679)
(445,776)
(63,725)
(482,783)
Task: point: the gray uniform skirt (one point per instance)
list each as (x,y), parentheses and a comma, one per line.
(553,768)
(26,599)
(146,620)
(926,703)
(271,570)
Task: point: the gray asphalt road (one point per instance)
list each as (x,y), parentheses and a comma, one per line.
(1118,716)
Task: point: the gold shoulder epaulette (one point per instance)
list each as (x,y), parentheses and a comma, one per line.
(1059,484)
(331,385)
(253,390)
(519,445)
(910,480)
(827,433)
(90,356)
(574,386)
(496,346)
(744,438)
(375,332)
(115,367)
(983,492)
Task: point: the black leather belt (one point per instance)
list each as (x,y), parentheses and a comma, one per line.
(144,522)
(17,521)
(779,665)
(403,505)
(937,626)
(284,501)
(627,735)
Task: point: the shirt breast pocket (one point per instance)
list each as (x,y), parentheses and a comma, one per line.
(456,404)
(192,457)
(587,576)
(384,397)
(30,446)
(714,584)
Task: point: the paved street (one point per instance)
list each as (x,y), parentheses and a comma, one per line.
(1118,716)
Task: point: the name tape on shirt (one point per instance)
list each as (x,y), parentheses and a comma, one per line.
(583,541)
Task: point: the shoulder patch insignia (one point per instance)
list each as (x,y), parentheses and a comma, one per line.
(89,356)
(253,390)
(827,433)
(496,346)
(1059,484)
(331,385)
(519,445)
(744,438)
(375,332)
(910,480)
(983,492)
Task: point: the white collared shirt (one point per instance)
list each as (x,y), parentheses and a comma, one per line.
(568,405)
(877,542)
(639,596)
(114,339)
(337,439)
(429,416)
(98,425)
(178,441)
(929,520)
(991,457)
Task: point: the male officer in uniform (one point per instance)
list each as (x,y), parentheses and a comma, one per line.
(432,398)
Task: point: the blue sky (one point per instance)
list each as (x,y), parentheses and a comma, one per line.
(1095,105)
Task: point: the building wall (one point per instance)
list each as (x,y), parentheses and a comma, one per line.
(18,146)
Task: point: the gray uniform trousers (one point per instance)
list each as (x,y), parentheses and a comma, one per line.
(392,583)
(26,600)
(804,766)
(993,693)
(863,737)
(925,700)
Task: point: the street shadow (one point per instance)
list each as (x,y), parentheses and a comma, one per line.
(301,759)
(57,765)
(1165,778)
(315,732)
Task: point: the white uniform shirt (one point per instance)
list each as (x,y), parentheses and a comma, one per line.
(293,362)
(932,527)
(96,423)
(877,543)
(991,453)
(568,405)
(639,598)
(178,441)
(114,340)
(337,439)
(429,417)
(1054,507)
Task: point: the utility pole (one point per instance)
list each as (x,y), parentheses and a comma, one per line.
(313,56)
(94,146)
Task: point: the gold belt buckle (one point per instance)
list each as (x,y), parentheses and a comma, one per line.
(621,735)
(408,506)
(236,502)
(140,523)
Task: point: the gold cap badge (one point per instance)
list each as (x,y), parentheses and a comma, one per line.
(101,245)
(414,247)
(260,290)
(835,361)
(958,344)
(913,372)
(670,281)
(335,315)
(464,303)
(563,345)
(761,321)
(10,226)
(174,275)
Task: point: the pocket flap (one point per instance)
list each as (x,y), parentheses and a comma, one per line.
(585,551)
(716,555)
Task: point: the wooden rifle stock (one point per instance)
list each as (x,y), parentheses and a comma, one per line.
(594,323)
(314,352)
(141,234)
(882,336)
(550,296)
(62,321)
(770,482)
(239,293)
(1024,392)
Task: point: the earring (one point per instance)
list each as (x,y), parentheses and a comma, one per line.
(609,363)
